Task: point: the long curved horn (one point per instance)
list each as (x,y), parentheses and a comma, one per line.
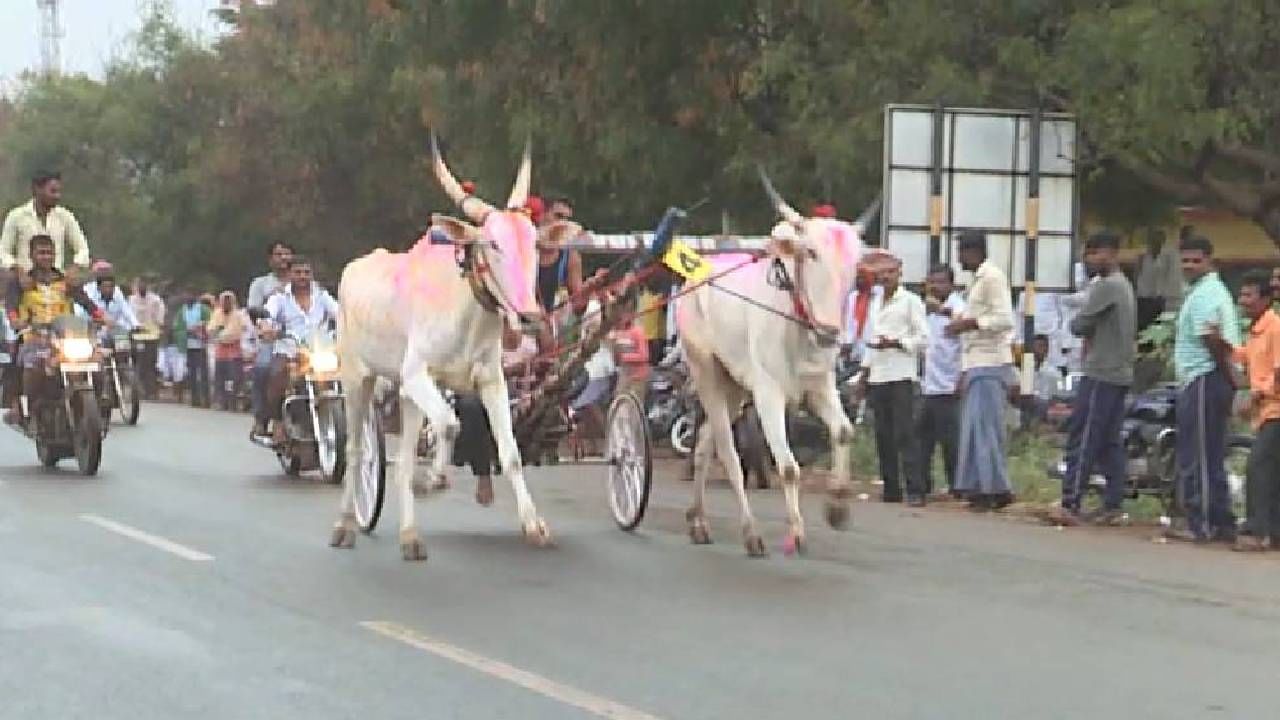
(787,212)
(520,191)
(472,207)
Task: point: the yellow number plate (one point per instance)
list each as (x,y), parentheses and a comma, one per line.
(686,262)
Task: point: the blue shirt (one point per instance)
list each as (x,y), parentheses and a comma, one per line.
(942,354)
(1207,302)
(193,313)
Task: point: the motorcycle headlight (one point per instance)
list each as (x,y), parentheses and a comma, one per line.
(324,361)
(77,349)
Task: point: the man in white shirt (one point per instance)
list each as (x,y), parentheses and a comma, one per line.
(104,291)
(294,317)
(940,413)
(43,215)
(860,311)
(893,361)
(1158,279)
(986,361)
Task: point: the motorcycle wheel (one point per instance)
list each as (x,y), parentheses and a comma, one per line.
(331,444)
(45,453)
(131,403)
(682,435)
(88,436)
(290,463)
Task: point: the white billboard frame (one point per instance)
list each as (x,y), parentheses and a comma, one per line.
(984,166)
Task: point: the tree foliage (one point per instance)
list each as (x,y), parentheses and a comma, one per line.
(308,120)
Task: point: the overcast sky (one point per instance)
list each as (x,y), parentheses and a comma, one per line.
(94,30)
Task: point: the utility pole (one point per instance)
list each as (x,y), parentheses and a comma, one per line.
(50,37)
(148,9)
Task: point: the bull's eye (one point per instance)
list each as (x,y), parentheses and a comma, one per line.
(813,254)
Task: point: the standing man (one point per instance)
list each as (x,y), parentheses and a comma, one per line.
(986,327)
(893,359)
(1158,279)
(279,257)
(1207,329)
(1261,355)
(190,330)
(43,215)
(1108,324)
(940,415)
(148,308)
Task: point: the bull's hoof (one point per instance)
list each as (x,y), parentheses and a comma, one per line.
(755,546)
(343,537)
(413,550)
(795,544)
(538,535)
(699,533)
(837,512)
(484,493)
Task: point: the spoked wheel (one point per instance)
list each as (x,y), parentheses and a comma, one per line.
(371,474)
(630,461)
(130,398)
(331,441)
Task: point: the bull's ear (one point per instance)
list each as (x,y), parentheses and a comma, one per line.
(459,231)
(560,232)
(784,239)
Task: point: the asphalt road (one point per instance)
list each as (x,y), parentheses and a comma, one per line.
(192,580)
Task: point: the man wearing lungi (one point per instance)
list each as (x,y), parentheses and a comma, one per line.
(985,327)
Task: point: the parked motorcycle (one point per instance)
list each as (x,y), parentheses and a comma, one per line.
(313,414)
(1149,433)
(64,420)
(669,401)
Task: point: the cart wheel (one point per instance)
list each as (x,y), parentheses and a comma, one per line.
(630,457)
(371,475)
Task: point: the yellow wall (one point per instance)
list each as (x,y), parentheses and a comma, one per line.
(1233,238)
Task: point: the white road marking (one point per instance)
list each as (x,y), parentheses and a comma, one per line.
(594,704)
(154,541)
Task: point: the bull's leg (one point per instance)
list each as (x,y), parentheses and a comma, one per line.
(421,389)
(825,401)
(771,406)
(411,418)
(703,453)
(493,393)
(359,391)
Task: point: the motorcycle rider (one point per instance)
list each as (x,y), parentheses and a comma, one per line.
(293,317)
(262,289)
(49,297)
(43,215)
(104,291)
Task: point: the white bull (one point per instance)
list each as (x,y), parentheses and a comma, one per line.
(769,330)
(415,318)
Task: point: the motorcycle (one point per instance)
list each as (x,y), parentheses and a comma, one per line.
(1149,434)
(670,410)
(65,420)
(120,388)
(313,414)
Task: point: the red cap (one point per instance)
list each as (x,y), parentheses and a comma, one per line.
(825,210)
(468,187)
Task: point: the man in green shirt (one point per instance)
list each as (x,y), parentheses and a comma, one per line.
(1207,328)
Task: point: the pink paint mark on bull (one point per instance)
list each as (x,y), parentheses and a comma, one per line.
(844,237)
(515,235)
(413,269)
